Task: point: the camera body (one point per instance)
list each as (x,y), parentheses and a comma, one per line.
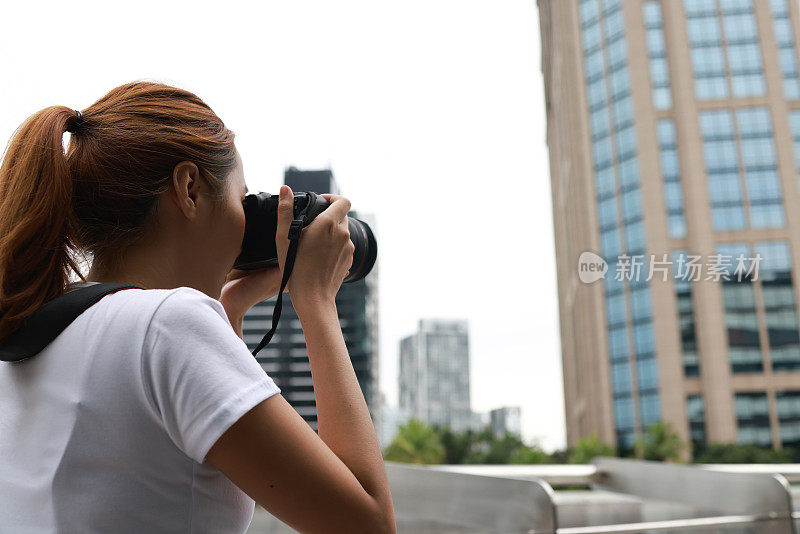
(261,224)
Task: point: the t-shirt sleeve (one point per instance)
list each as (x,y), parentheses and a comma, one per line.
(198,375)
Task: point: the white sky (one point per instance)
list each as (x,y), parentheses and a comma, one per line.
(429,112)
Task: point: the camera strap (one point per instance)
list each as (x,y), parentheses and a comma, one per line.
(295,229)
(46,323)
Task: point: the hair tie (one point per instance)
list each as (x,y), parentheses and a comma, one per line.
(76,123)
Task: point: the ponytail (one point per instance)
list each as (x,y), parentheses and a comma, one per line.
(99,197)
(35,217)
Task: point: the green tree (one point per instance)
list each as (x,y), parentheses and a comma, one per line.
(480,446)
(732,453)
(456,444)
(503,450)
(660,442)
(531,454)
(415,443)
(588,448)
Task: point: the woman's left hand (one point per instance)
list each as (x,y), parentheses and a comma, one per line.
(244,289)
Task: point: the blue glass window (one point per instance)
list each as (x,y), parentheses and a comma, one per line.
(640,303)
(779,304)
(744,348)
(643,341)
(589,10)
(726,185)
(670,171)
(650,409)
(696,414)
(703,31)
(621,377)
(787,404)
(740,27)
(623,112)
(623,412)
(618,343)
(741,61)
(752,415)
(695,8)
(683,293)
(614,24)
(604,180)
(787,53)
(635,238)
(647,373)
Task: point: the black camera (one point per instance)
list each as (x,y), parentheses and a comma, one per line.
(261,224)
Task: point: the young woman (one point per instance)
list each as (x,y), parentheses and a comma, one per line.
(148,413)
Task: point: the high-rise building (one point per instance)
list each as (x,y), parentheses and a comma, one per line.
(479,421)
(285,358)
(506,419)
(674,135)
(392,418)
(434,374)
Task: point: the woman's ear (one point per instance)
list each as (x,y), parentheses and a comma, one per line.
(186,187)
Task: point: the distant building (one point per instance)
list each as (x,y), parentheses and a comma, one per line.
(479,421)
(392,418)
(285,358)
(506,419)
(320,181)
(434,374)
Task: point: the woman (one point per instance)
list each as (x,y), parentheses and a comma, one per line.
(148,413)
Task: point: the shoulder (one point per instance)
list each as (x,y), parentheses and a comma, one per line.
(185,301)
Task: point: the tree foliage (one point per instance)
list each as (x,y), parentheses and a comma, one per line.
(415,443)
(418,443)
(589,448)
(660,442)
(731,453)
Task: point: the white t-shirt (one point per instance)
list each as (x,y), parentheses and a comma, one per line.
(106,429)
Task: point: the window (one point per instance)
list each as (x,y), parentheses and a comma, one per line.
(787,53)
(670,172)
(779,305)
(683,294)
(696,414)
(621,377)
(738,69)
(656,50)
(650,409)
(788,407)
(729,188)
(752,415)
(741,320)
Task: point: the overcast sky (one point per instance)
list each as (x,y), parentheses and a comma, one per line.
(429,112)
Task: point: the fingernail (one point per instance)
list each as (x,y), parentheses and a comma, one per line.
(282,193)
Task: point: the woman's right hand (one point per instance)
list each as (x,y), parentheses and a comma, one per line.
(325,253)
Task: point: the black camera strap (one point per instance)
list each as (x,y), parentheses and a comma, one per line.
(295,228)
(46,323)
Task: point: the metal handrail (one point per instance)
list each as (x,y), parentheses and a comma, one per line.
(696,523)
(558,475)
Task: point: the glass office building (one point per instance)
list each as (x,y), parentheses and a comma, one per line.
(674,137)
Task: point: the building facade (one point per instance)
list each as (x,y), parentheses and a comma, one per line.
(392,418)
(285,358)
(674,136)
(506,419)
(434,374)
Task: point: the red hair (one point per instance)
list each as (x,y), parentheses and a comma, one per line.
(100,197)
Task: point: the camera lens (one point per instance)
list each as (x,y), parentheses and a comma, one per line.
(366,249)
